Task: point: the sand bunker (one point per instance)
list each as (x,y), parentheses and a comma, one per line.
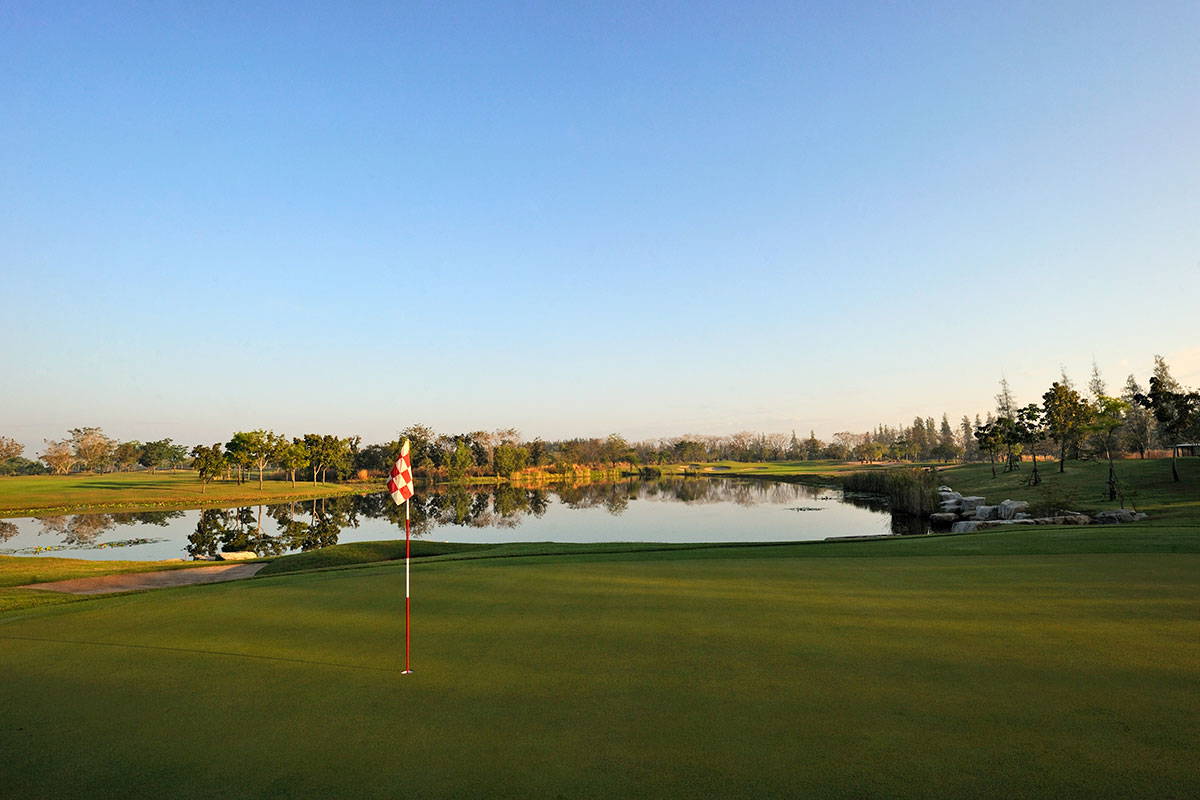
(132,581)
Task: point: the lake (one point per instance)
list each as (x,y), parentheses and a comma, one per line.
(665,510)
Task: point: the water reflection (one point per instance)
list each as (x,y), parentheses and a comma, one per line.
(311,524)
(668,509)
(82,529)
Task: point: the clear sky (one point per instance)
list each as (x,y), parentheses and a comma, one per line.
(652,218)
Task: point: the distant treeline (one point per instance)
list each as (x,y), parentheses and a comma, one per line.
(1078,424)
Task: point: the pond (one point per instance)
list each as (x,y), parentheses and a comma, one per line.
(666,510)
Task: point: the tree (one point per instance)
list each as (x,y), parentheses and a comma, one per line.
(509,458)
(161,453)
(1008,435)
(22,466)
(1005,405)
(947,449)
(966,439)
(1176,412)
(260,449)
(1163,373)
(421,447)
(238,452)
(293,456)
(1108,415)
(176,455)
(314,445)
(10,448)
(326,452)
(1029,432)
(919,440)
(461,462)
(988,439)
(537,452)
(92,448)
(341,455)
(795,450)
(59,456)
(209,462)
(1096,385)
(1138,433)
(126,456)
(1066,418)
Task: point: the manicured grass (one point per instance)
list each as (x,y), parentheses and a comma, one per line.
(29,495)
(1147,485)
(771,469)
(1056,540)
(341,555)
(21,570)
(651,674)
(1036,662)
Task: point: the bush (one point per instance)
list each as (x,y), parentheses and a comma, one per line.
(22,466)
(912,491)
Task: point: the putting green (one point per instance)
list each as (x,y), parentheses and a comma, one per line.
(605,676)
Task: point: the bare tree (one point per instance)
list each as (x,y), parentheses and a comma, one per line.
(10,448)
(92,448)
(59,456)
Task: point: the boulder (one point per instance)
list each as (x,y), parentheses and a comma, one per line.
(948,495)
(986,512)
(237,555)
(1003,523)
(1010,508)
(950,507)
(1022,515)
(965,527)
(946,518)
(1064,519)
(969,504)
(1118,515)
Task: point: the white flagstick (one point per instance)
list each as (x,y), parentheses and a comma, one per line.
(407,595)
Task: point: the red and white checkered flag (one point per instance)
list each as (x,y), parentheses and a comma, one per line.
(400,482)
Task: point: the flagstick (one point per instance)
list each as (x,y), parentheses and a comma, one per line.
(407,596)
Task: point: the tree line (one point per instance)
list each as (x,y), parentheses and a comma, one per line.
(1077,424)
(90,450)
(1071,424)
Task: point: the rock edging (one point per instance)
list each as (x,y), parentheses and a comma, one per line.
(969,514)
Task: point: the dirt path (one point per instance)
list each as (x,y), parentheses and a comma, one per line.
(130,581)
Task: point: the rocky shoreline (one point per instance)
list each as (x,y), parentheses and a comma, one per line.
(967,514)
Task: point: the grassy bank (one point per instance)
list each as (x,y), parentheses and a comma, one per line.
(1146,484)
(817,471)
(739,672)
(30,495)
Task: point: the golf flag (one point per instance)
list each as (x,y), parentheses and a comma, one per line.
(400,482)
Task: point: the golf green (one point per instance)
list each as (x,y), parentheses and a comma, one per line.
(638,675)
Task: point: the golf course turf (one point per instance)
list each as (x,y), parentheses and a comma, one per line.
(737,671)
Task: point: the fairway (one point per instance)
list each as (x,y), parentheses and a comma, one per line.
(127,491)
(744,673)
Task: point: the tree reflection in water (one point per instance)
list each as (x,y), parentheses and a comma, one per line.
(311,524)
(84,529)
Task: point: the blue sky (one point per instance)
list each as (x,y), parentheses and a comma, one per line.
(653,218)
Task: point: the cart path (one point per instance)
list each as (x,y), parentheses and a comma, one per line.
(132,581)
